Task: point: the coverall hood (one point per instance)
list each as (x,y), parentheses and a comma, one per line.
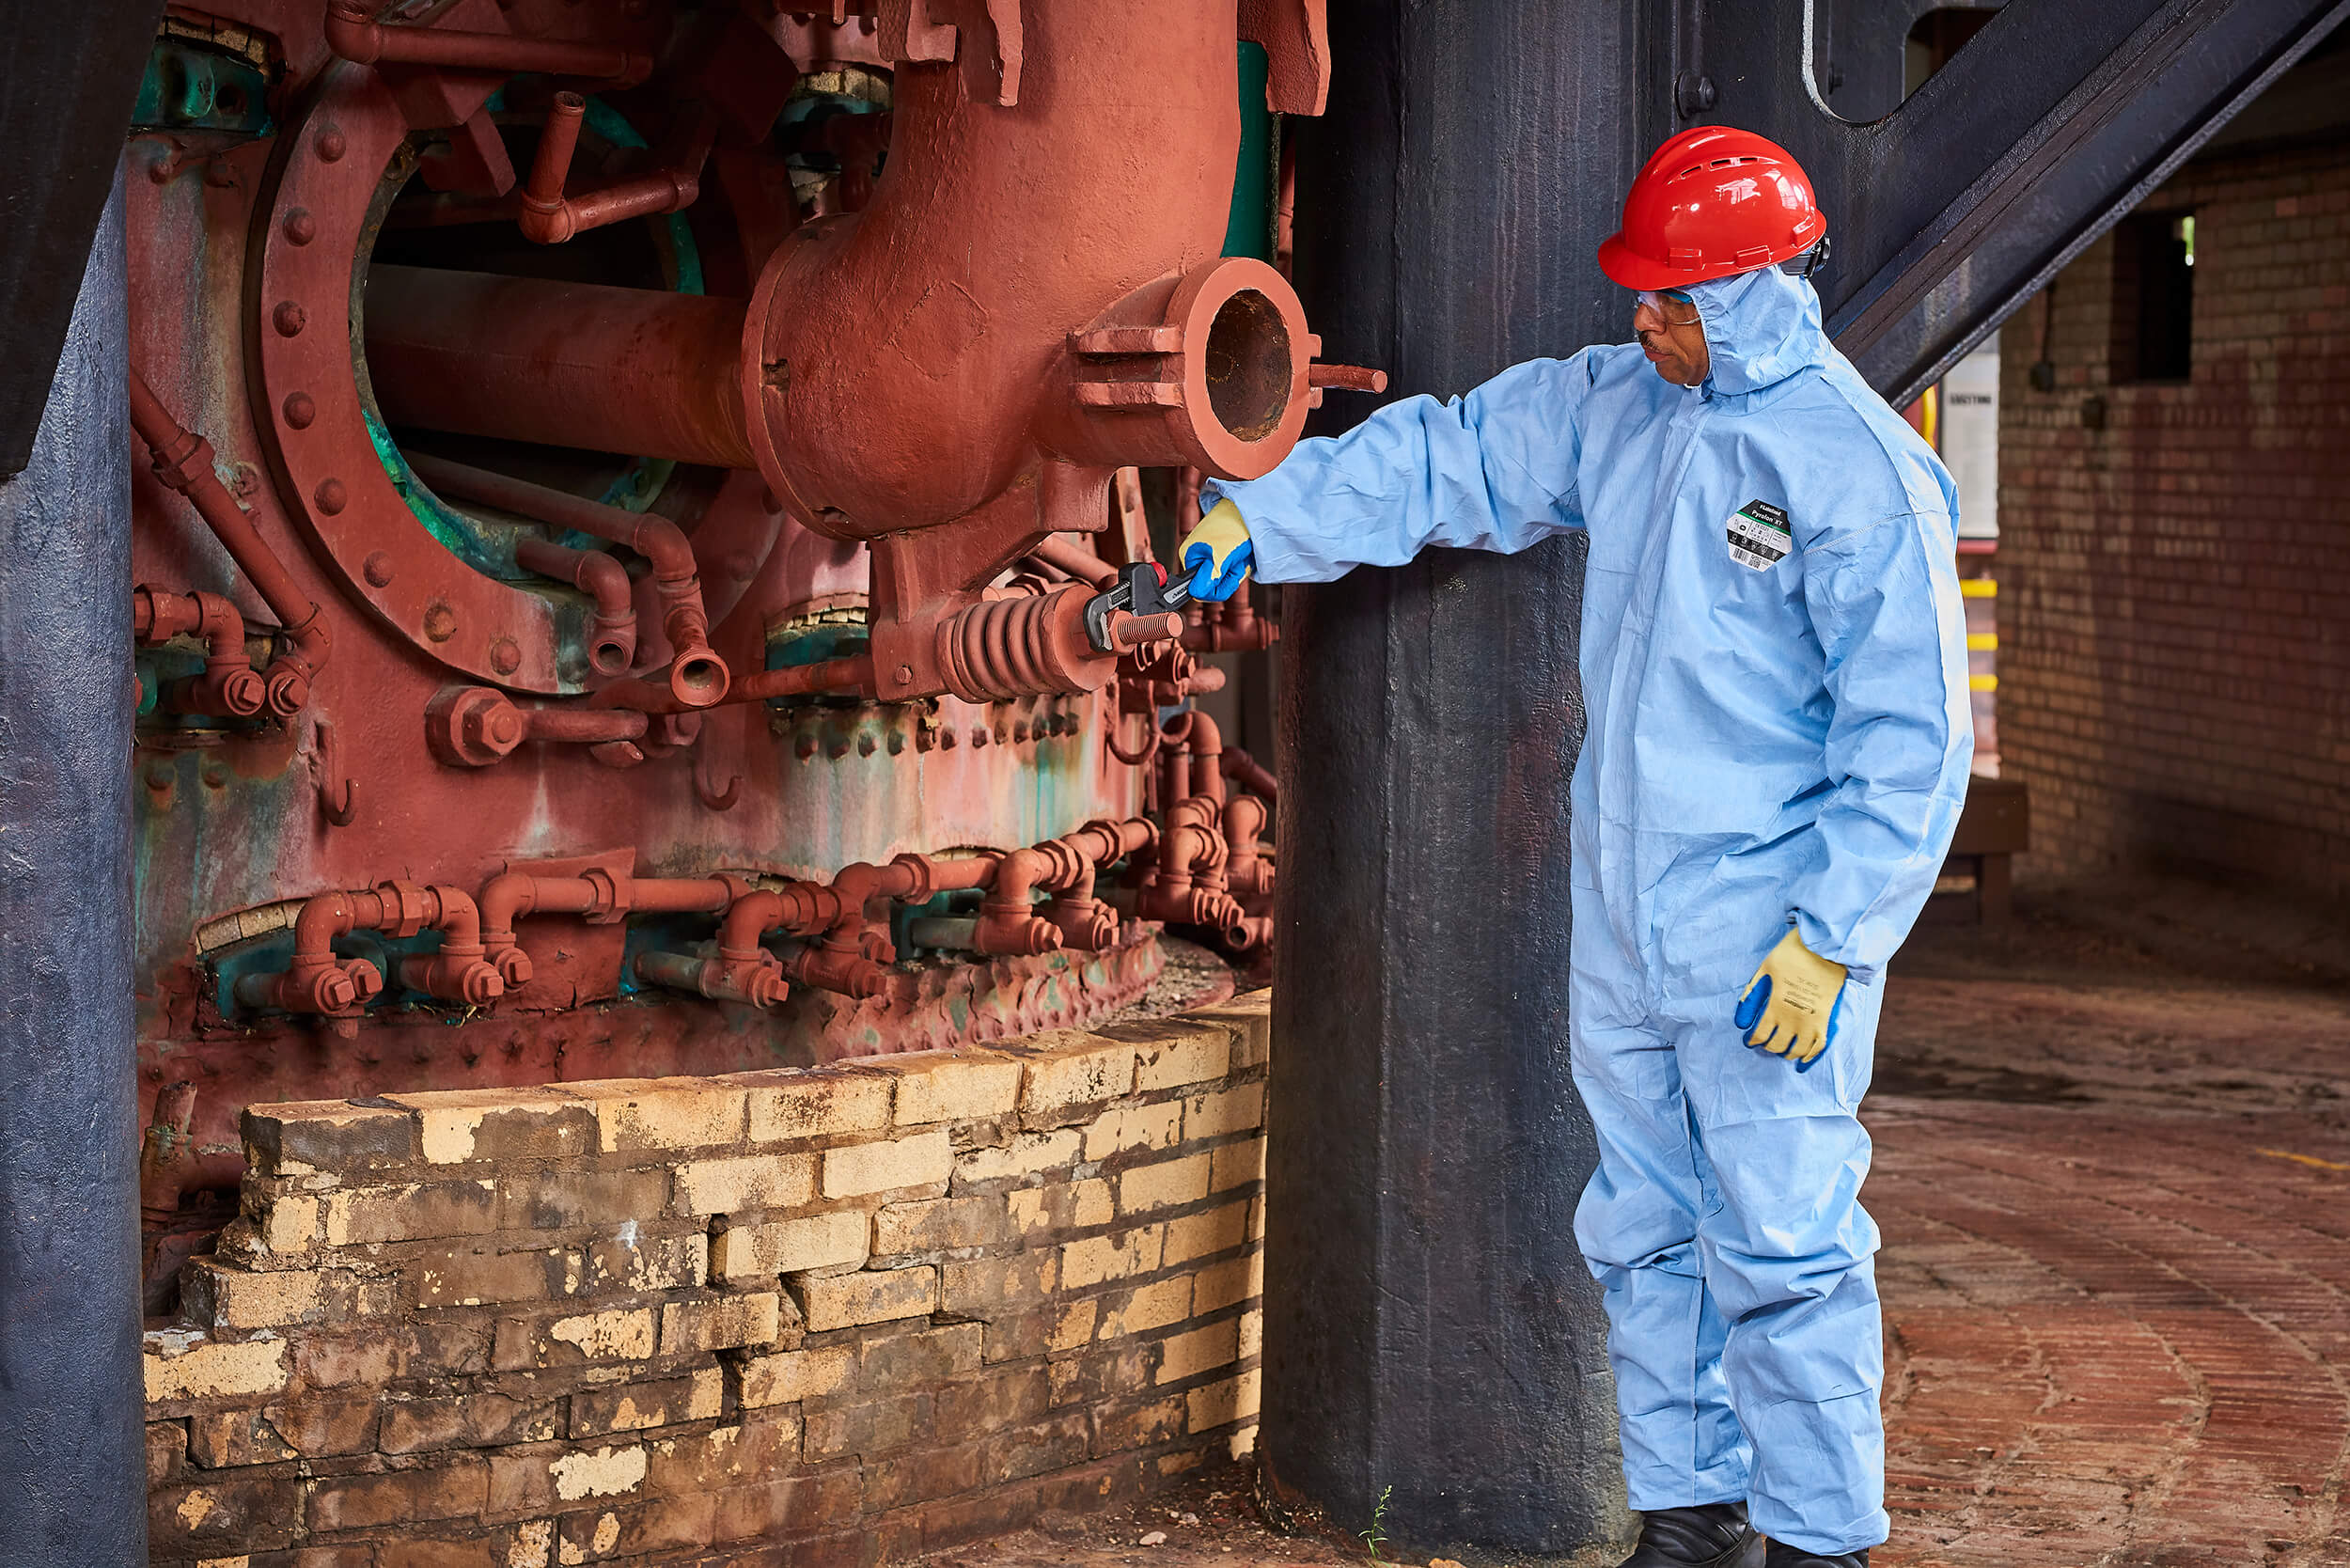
(1761,327)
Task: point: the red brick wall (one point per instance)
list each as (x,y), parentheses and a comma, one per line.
(794,1317)
(2175,586)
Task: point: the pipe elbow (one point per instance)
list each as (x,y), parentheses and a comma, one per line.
(456,917)
(323,918)
(546,224)
(351,34)
(748,919)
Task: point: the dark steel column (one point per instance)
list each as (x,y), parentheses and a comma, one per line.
(1429,1323)
(73,1456)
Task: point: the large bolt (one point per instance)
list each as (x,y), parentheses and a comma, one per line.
(766,986)
(366,982)
(242,693)
(334,991)
(287,691)
(471,726)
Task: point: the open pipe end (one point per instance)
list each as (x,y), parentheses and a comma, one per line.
(610,654)
(699,679)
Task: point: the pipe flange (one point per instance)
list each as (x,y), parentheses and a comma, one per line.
(317,420)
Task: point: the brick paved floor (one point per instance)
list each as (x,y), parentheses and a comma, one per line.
(2113,1173)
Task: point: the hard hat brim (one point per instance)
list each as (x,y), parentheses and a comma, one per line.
(1630,269)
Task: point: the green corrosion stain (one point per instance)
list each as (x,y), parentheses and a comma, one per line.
(488,548)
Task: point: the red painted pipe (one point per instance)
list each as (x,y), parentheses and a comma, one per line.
(1245,871)
(1075,560)
(228,685)
(602,896)
(1250,774)
(316,981)
(583,725)
(696,677)
(612,640)
(183,461)
(353,33)
(648,695)
(549,217)
(634,372)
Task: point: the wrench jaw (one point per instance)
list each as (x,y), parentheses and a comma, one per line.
(1143,590)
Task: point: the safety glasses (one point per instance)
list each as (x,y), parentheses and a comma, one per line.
(1658,299)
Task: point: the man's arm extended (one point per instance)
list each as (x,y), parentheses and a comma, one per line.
(1885,603)
(1495,470)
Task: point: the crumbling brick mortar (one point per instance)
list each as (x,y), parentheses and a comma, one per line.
(795,1317)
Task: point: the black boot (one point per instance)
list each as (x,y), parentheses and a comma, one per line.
(1711,1535)
(1780,1555)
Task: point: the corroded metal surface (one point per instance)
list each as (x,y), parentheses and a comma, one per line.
(620,604)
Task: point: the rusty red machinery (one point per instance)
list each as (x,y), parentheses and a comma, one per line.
(619,488)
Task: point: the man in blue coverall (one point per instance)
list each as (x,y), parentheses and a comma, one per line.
(1774,670)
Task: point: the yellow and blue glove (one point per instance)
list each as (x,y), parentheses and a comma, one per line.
(1217,554)
(1788,1008)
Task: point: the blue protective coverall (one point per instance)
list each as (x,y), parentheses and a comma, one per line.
(1774,669)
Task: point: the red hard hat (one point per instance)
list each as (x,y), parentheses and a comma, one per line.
(1708,203)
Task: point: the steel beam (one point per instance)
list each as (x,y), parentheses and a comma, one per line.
(1428,1324)
(71,78)
(1950,209)
(72,1453)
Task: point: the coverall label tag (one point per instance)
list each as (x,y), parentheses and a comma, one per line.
(1759,538)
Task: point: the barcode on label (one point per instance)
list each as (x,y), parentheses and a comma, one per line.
(1758,535)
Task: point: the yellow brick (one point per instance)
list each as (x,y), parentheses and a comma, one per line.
(1238,1279)
(721,1323)
(1237,1164)
(625,1335)
(797,1374)
(1252,1333)
(1203,1235)
(1063,1205)
(705,1398)
(1103,1258)
(854,1170)
(450,1121)
(290,1224)
(791,1246)
(1074,1326)
(606,1473)
(663,1113)
(1221,1403)
(1238,1109)
(1066,1067)
(1123,1127)
(847,1300)
(185,1365)
(724,1186)
(241,1300)
(949,1086)
(1152,1306)
(1206,1052)
(1250,1019)
(786,1103)
(1026,1156)
(1189,1354)
(998,1287)
(1158,1187)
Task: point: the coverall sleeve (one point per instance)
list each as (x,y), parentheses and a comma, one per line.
(1885,604)
(1494,470)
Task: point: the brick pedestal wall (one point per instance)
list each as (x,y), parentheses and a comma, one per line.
(2174,557)
(792,1317)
